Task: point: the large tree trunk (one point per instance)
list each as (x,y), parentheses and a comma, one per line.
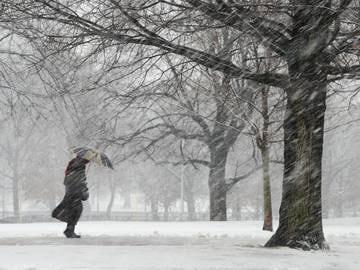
(300,220)
(217,184)
(268,224)
(219,148)
(265,154)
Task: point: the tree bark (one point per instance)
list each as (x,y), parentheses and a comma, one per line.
(300,220)
(265,154)
(217,184)
(268,219)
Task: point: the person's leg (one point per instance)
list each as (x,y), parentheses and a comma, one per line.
(74,217)
(77,212)
(69,232)
(59,211)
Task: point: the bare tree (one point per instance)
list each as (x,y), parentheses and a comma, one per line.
(209,118)
(311,38)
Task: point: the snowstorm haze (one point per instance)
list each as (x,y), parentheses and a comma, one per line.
(157,125)
(151,115)
(38,132)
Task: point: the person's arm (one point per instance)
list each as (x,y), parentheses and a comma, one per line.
(85,193)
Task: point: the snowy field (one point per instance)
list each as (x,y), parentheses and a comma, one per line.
(175,245)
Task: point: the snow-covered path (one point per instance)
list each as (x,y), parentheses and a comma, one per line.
(172,257)
(156,245)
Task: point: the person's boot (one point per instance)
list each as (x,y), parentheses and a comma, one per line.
(69,232)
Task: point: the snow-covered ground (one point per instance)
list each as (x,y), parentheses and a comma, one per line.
(174,245)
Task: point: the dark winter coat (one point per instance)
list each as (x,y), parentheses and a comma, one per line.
(70,208)
(75,178)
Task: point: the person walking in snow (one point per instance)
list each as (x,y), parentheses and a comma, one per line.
(70,208)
